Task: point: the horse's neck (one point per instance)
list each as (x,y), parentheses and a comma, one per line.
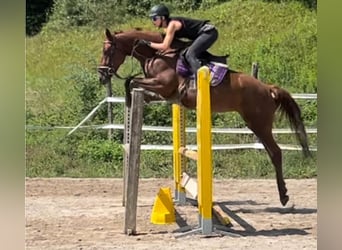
(144,53)
(152,36)
(131,37)
(156,37)
(148,35)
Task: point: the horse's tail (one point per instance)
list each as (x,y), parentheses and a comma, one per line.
(288,106)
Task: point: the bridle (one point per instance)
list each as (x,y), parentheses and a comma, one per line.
(109,71)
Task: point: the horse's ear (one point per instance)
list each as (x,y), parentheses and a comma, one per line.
(108,35)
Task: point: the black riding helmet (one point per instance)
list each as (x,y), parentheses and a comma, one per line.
(159,10)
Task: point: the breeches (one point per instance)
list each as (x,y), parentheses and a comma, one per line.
(201,44)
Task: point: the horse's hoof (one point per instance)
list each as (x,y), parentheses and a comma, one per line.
(284,200)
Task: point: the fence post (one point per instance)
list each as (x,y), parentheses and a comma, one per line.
(126,140)
(255,70)
(133,161)
(110,109)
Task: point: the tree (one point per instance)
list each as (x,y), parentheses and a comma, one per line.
(37,12)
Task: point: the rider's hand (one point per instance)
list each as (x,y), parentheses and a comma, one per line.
(144,42)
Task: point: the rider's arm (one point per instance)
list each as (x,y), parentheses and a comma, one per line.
(170,33)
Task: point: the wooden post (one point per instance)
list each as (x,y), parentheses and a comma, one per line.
(110,109)
(126,140)
(255,70)
(135,131)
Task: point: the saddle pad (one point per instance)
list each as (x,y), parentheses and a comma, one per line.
(183,69)
(217,71)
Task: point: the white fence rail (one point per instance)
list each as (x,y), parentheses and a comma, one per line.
(188,129)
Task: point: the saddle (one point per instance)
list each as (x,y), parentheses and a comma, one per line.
(217,66)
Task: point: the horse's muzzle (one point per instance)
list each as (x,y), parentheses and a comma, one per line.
(105,74)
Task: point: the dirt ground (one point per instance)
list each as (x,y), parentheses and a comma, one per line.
(66,213)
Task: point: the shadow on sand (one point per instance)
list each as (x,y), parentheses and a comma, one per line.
(248,229)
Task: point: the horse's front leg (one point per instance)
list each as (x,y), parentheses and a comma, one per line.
(148,84)
(151,84)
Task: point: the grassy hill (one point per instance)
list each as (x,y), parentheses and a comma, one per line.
(62,87)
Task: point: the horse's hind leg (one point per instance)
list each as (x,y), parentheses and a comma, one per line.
(275,154)
(262,128)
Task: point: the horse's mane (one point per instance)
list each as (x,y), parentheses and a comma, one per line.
(153,36)
(138,33)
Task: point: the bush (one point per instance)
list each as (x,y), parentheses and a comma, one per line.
(98,150)
(74,13)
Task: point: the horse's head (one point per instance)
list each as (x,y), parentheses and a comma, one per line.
(113,55)
(121,44)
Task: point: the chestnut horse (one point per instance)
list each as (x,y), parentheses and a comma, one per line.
(254,100)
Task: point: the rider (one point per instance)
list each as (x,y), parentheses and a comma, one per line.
(201,32)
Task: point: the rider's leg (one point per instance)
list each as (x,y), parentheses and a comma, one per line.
(201,44)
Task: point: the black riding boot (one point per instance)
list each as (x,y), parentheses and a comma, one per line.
(195,64)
